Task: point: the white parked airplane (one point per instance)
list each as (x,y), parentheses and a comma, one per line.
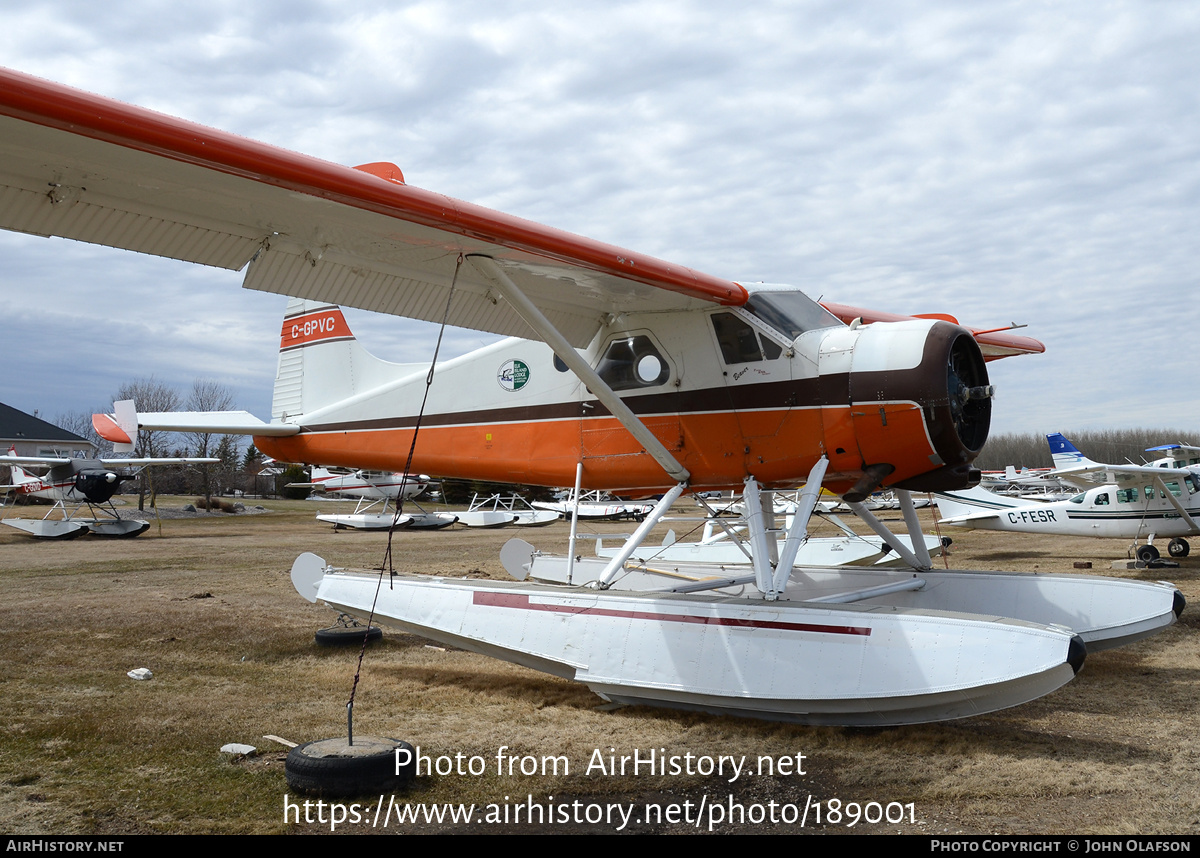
(377,486)
(1117,501)
(373,488)
(73,484)
(645,377)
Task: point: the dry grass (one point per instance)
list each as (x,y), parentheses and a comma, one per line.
(208,607)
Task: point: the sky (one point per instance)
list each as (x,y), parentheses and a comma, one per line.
(1010,162)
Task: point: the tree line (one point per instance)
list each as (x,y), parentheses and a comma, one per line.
(1114,446)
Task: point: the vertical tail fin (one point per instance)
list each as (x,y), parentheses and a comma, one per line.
(20,476)
(1065,454)
(320,475)
(321,362)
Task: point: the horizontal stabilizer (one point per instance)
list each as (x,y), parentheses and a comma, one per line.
(174,460)
(215,422)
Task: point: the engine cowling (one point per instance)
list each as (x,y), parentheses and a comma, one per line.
(919,404)
(98,486)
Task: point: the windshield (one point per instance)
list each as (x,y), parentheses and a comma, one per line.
(790,313)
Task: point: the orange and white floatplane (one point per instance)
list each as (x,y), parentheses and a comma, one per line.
(634,376)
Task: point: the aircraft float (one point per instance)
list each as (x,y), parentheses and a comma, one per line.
(596,506)
(73,484)
(1117,502)
(640,376)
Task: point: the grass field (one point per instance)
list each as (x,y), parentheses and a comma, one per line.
(207,605)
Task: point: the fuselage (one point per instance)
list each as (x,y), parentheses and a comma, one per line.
(730,392)
(1126,511)
(80,481)
(372,485)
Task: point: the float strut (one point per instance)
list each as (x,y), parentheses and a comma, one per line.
(760,556)
(915,536)
(798,531)
(631,544)
(887,536)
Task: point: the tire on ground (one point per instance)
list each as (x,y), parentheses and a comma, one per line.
(330,767)
(347,635)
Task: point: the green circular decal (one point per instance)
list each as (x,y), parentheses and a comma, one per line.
(513,374)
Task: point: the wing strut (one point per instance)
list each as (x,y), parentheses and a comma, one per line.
(526,309)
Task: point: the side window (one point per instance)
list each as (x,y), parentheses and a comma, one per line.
(740,343)
(1127,495)
(632,362)
(1101,499)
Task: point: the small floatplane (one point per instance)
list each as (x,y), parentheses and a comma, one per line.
(373,488)
(73,484)
(1116,501)
(641,377)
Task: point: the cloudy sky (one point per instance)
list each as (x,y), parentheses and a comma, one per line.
(1024,162)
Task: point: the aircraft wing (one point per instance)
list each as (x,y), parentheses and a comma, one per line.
(50,461)
(1088,476)
(1173,449)
(81,166)
(116,462)
(994,344)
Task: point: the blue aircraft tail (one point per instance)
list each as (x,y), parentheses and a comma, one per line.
(1064,453)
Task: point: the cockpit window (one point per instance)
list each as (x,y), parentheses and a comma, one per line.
(790,313)
(631,362)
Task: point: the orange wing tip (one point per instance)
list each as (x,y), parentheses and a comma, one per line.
(995,343)
(384,170)
(108,429)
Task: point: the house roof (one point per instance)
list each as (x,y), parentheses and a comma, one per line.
(18,426)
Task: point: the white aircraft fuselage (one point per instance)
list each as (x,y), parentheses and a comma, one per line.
(1112,511)
(370,485)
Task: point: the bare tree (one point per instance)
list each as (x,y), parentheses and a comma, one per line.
(149,394)
(207,395)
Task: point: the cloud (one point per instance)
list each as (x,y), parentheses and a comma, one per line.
(1011,162)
